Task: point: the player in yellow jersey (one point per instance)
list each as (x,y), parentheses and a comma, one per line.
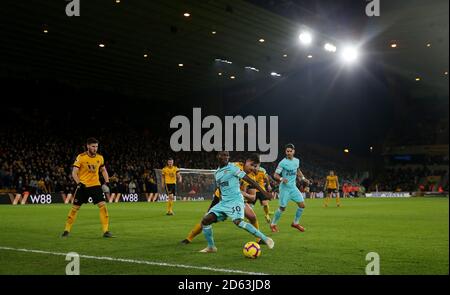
(332,187)
(248,191)
(248,166)
(170,175)
(263,179)
(85,172)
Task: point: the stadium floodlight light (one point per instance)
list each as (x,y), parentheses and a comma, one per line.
(224,61)
(330,47)
(252,69)
(305,38)
(275,74)
(350,54)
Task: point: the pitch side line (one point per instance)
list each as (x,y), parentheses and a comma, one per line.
(136,261)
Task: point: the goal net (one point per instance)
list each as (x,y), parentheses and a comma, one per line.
(196,185)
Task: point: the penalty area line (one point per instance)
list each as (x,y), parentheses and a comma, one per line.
(134,261)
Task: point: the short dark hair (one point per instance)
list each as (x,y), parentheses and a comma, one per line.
(91,140)
(170,159)
(289,146)
(253,158)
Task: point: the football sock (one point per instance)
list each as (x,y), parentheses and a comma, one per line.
(251,229)
(169,206)
(277,216)
(266,209)
(71,219)
(298,214)
(194,232)
(255,223)
(104,218)
(208,233)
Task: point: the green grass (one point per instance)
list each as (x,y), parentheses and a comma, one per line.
(410,235)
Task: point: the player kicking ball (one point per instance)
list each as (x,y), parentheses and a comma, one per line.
(286,173)
(232,205)
(249,166)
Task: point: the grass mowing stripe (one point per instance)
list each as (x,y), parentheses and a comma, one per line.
(136,261)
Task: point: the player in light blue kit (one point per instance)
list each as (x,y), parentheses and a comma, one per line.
(286,173)
(228,178)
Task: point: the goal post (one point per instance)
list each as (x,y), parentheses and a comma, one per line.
(196,185)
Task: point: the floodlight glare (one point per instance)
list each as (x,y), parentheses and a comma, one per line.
(350,54)
(330,47)
(305,38)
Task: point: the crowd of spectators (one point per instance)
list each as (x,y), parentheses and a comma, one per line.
(38,157)
(41,162)
(411,179)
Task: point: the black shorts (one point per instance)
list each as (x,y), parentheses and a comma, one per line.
(260,196)
(332,190)
(171,189)
(82,195)
(152,188)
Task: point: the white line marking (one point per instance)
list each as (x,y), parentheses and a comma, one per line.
(137,261)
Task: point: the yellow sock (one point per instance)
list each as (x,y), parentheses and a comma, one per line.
(266,209)
(194,232)
(327,200)
(338,200)
(71,219)
(104,218)
(255,223)
(170,206)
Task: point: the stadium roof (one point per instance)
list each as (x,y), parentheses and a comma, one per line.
(42,41)
(152,49)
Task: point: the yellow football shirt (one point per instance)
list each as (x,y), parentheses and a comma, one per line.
(332,181)
(261,177)
(89,167)
(170,174)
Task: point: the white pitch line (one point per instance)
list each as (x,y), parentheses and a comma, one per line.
(136,261)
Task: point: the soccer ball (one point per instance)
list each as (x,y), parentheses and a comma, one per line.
(252,250)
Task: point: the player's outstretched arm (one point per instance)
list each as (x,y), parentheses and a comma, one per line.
(302,177)
(278,177)
(250,197)
(269,180)
(257,186)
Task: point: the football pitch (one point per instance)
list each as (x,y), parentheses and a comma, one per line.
(410,236)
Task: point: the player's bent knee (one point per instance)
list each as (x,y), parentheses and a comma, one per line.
(237,221)
(209,219)
(301,205)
